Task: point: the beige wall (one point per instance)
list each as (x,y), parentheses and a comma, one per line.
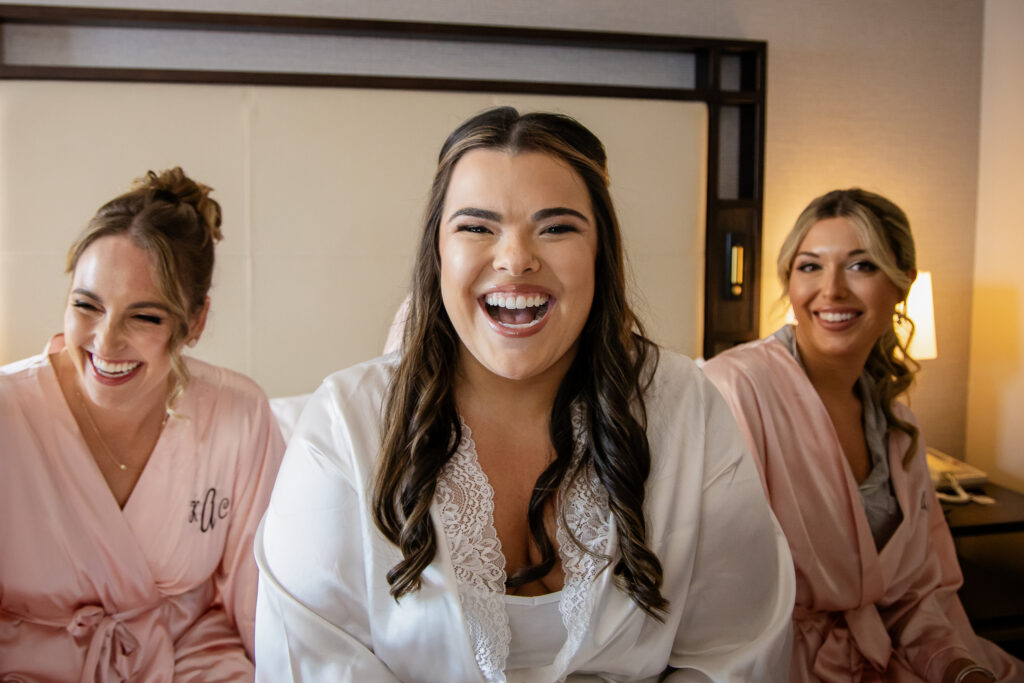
(874,93)
(883,96)
(995,416)
(322,192)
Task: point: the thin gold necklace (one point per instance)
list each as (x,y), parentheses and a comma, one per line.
(96,430)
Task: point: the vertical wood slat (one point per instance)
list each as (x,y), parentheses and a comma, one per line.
(732,320)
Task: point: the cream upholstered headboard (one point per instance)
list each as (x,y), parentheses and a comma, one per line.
(323,192)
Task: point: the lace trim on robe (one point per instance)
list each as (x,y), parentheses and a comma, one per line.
(584,502)
(465,501)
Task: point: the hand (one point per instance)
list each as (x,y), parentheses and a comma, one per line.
(958,665)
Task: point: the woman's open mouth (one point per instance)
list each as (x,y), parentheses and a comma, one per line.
(837,317)
(114,372)
(514,311)
(837,321)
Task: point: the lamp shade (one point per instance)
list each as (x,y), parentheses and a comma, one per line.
(921,311)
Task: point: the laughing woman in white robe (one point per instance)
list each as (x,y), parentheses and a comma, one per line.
(557,535)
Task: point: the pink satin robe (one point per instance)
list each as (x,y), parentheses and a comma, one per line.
(860,614)
(162,590)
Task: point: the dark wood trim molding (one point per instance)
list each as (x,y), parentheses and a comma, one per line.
(731,311)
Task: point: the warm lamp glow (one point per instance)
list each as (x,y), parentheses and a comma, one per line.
(919,309)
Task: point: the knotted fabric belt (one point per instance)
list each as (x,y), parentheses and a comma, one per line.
(849,640)
(109,656)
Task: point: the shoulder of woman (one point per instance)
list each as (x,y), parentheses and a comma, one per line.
(678,389)
(757,356)
(671,364)
(765,365)
(363,382)
(28,395)
(352,398)
(693,435)
(14,375)
(33,363)
(339,425)
(366,381)
(22,366)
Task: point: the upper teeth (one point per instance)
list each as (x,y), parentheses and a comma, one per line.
(836,317)
(513,301)
(106,368)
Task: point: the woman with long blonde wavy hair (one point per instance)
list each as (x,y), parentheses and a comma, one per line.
(843,463)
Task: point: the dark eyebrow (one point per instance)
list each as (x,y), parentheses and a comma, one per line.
(482,214)
(138,304)
(559,211)
(855,252)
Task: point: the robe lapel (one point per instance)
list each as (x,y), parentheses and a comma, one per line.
(898,443)
(99,539)
(829,460)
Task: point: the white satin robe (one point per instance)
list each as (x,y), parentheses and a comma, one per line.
(861,614)
(325,613)
(163,589)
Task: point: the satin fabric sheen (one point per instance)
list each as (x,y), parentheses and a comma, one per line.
(163,589)
(861,614)
(325,612)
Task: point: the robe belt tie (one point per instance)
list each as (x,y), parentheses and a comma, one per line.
(849,640)
(111,644)
(110,648)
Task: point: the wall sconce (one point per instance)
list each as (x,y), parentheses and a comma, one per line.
(734,265)
(919,308)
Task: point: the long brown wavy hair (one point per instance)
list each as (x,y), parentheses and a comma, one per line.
(173,218)
(884,230)
(605,382)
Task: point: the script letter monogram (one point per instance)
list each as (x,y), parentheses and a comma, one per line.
(208,510)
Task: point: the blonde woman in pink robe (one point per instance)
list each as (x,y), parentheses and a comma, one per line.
(132,479)
(843,463)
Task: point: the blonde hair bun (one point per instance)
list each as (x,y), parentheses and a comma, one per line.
(174,186)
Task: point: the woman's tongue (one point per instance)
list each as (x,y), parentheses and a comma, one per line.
(516,316)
